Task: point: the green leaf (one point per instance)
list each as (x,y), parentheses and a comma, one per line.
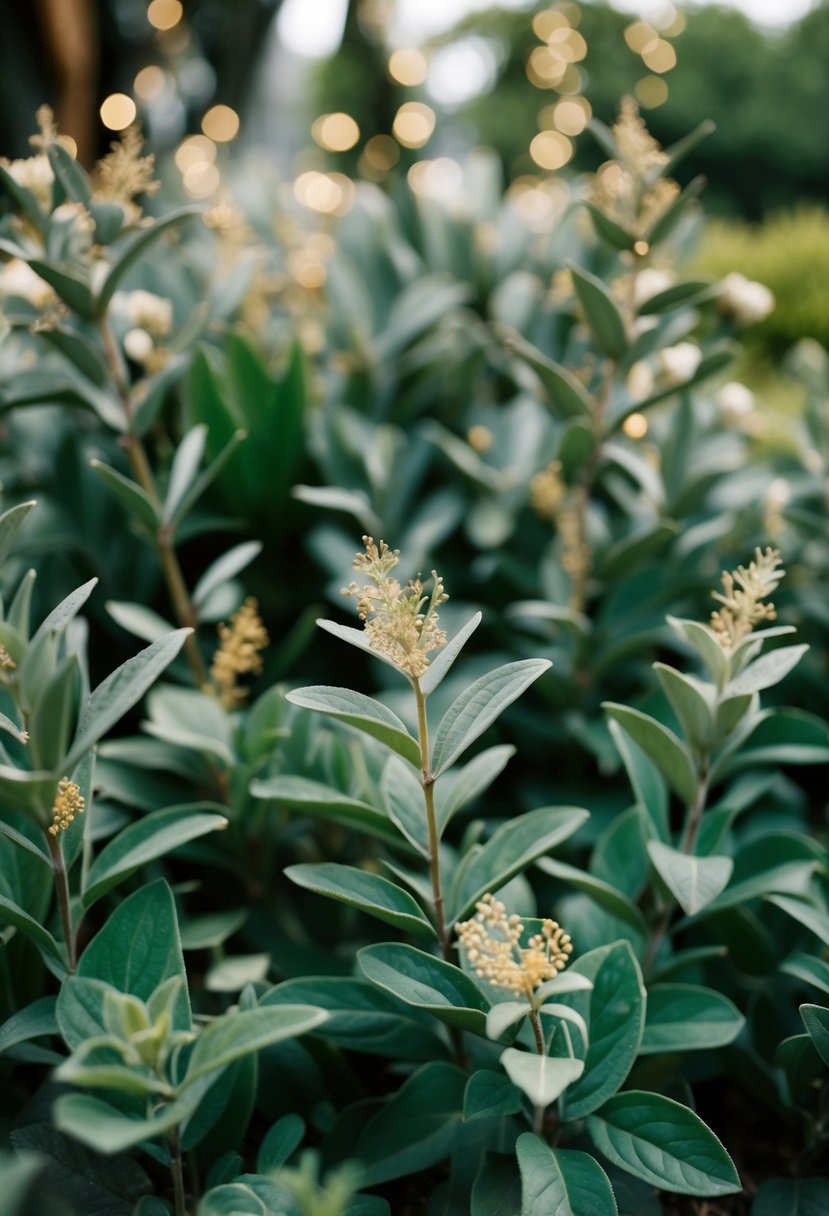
(766,671)
(137,949)
(402,796)
(440,666)
(354,637)
(362,1018)
(561,1182)
(602,313)
(236,1199)
(313,798)
(24,200)
(478,707)
(792,1197)
(505,1014)
(72,289)
(614,1009)
(692,702)
(567,396)
(10,524)
(664,1144)
(106,1129)
(460,788)
(809,969)
(490,1095)
(79,351)
(362,712)
(283,1138)
(183,471)
(541,1078)
(72,177)
(205,479)
(131,496)
(153,836)
(685,1017)
(241,1033)
(615,235)
(515,844)
(134,249)
(704,642)
(141,622)
(121,690)
(661,746)
(426,982)
(12,914)
(680,295)
(679,150)
(816,1020)
(694,882)
(415,1128)
(648,786)
(33,1022)
(52,721)
(496,1190)
(670,217)
(607,897)
(370,893)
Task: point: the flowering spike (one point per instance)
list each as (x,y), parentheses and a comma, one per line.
(68,803)
(401,623)
(743,589)
(492,944)
(240,644)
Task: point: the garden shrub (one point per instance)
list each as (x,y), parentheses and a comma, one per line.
(493,923)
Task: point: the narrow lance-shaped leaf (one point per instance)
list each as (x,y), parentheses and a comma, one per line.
(184,470)
(478,707)
(362,712)
(121,690)
(661,746)
(371,893)
(602,313)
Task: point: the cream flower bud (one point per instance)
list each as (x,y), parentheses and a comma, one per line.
(33,173)
(144,310)
(138,344)
(746,301)
(678,363)
(18,279)
(736,402)
(639,380)
(650,282)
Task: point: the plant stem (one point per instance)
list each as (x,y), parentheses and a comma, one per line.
(428,783)
(137,455)
(62,890)
(177,1172)
(538,1113)
(695,815)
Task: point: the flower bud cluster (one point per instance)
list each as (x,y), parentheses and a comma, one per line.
(492,944)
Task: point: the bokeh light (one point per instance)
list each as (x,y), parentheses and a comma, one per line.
(635,426)
(165,14)
(661,57)
(220,123)
(408,67)
(651,91)
(413,124)
(551,150)
(117,111)
(149,82)
(336,132)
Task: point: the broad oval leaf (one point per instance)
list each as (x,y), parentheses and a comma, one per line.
(478,707)
(240,1033)
(541,1078)
(490,1095)
(614,1009)
(694,882)
(426,982)
(602,313)
(512,847)
(370,893)
(561,1182)
(816,1020)
(664,1144)
(362,712)
(661,746)
(686,1017)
